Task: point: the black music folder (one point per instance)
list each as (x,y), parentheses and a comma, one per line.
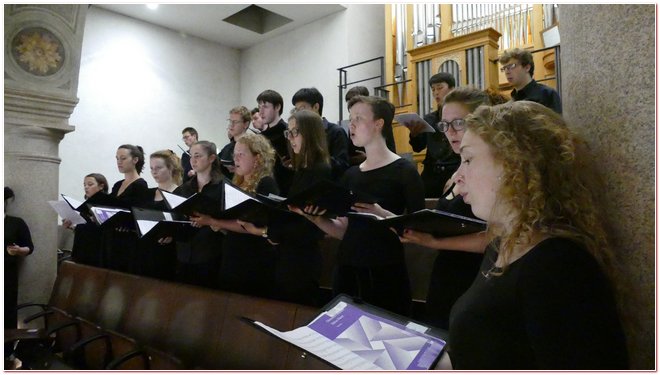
(352,335)
(255,209)
(436,222)
(98,199)
(334,198)
(414,123)
(195,203)
(153,225)
(116,217)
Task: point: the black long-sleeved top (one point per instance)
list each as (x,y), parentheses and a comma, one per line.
(283,175)
(539,93)
(398,188)
(16,232)
(205,244)
(185,163)
(337,147)
(551,309)
(227,153)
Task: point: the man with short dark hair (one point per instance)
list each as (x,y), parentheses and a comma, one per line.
(518,66)
(271,106)
(190,136)
(440,162)
(311,99)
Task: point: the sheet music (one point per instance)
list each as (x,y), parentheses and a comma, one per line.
(234,196)
(73,202)
(172,199)
(102,214)
(145,225)
(353,339)
(66,212)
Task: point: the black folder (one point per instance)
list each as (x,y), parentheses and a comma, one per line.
(436,222)
(255,209)
(351,335)
(153,225)
(197,202)
(334,198)
(117,217)
(98,199)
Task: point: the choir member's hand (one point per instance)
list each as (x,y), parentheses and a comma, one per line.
(68,224)
(15,250)
(199,220)
(310,212)
(413,236)
(165,240)
(231,168)
(253,229)
(371,208)
(191,173)
(287,162)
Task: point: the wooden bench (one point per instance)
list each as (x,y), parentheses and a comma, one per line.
(133,322)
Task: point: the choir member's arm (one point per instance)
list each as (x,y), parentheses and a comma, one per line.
(333,227)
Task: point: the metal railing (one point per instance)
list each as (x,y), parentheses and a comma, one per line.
(343,79)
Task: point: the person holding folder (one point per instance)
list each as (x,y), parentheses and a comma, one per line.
(248,261)
(120,243)
(158,259)
(199,259)
(543,298)
(457,264)
(371,264)
(87,243)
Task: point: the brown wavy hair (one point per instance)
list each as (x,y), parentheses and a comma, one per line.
(548,179)
(172,163)
(471,97)
(264,152)
(314,149)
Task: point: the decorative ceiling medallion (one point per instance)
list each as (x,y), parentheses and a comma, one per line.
(37,51)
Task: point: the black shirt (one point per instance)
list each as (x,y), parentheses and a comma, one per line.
(185,163)
(283,175)
(437,146)
(551,309)
(135,194)
(398,188)
(227,153)
(337,147)
(538,93)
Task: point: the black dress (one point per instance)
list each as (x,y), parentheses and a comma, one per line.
(198,260)
(227,153)
(371,263)
(248,261)
(299,261)
(120,246)
(453,271)
(157,260)
(553,308)
(283,175)
(87,244)
(16,232)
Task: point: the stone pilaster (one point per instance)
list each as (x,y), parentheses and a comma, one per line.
(42,60)
(608,93)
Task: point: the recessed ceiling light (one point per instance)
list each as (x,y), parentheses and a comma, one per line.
(152,6)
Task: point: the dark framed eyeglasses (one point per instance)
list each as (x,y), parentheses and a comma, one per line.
(291,133)
(457,124)
(509,67)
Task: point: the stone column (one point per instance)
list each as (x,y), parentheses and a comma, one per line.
(42,60)
(608,78)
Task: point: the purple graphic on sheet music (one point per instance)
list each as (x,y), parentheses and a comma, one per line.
(387,344)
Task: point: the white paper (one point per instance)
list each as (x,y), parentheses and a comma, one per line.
(234,196)
(73,202)
(172,199)
(66,212)
(145,226)
(102,214)
(322,347)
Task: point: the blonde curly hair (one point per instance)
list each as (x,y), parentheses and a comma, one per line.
(548,178)
(264,152)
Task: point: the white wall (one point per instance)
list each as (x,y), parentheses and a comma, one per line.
(142,84)
(310,55)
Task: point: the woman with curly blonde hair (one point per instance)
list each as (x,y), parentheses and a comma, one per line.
(254,159)
(542,299)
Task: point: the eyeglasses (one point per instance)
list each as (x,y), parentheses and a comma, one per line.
(508,67)
(457,124)
(291,133)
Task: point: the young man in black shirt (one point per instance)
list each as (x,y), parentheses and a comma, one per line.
(189,137)
(271,106)
(440,161)
(518,65)
(311,99)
